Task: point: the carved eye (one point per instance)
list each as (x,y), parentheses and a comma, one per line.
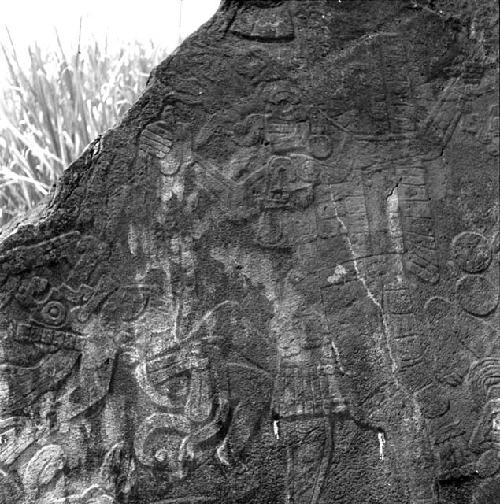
(54,313)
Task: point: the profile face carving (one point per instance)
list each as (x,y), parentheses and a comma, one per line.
(185,362)
(65,341)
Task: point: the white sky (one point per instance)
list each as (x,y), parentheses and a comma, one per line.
(121,21)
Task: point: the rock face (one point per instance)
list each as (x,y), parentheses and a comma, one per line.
(276,281)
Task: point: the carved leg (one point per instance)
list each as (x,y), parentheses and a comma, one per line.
(309,447)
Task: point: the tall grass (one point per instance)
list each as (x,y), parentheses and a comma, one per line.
(54,105)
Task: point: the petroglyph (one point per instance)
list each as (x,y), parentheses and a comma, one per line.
(276,280)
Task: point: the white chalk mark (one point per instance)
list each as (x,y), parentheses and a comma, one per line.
(370,295)
(338,274)
(276,429)
(381,445)
(359,276)
(339,361)
(222,453)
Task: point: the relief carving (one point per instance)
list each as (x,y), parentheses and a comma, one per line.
(284,288)
(269,24)
(157,142)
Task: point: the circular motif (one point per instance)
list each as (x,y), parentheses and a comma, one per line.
(477,295)
(320,146)
(471,252)
(158,440)
(433,400)
(54,313)
(437,308)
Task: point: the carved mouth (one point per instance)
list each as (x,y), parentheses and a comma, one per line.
(58,340)
(26,344)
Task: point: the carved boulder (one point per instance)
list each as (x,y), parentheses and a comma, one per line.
(276,281)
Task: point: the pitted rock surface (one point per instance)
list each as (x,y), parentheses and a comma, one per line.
(276,281)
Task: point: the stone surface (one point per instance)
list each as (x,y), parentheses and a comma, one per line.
(276,281)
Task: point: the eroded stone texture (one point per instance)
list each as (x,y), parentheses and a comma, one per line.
(276,281)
